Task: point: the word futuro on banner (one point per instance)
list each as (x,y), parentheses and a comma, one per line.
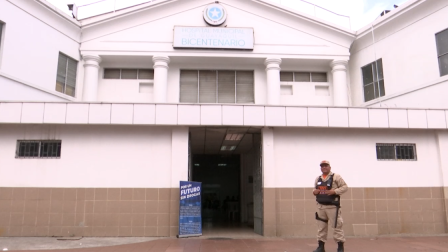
(213,38)
(190,209)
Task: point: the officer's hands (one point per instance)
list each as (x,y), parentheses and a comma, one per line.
(330,192)
(316,191)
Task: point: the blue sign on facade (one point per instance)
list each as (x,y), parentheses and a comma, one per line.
(190,210)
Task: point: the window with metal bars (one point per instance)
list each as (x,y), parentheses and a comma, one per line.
(303,77)
(128,74)
(66,75)
(216,86)
(373,81)
(401,152)
(38,149)
(442,51)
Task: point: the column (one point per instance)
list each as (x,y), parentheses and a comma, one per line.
(160,78)
(269,183)
(442,197)
(340,90)
(91,69)
(273,80)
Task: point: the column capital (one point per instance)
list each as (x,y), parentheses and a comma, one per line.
(161,61)
(91,60)
(339,65)
(273,63)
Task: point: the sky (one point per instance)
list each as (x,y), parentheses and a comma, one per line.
(361,12)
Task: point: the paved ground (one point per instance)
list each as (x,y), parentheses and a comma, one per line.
(381,244)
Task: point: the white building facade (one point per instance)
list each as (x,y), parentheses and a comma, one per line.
(101,118)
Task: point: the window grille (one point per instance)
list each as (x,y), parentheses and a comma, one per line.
(128,74)
(401,152)
(66,75)
(216,86)
(373,81)
(303,77)
(38,149)
(442,51)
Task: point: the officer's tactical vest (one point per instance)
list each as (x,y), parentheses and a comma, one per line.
(324,199)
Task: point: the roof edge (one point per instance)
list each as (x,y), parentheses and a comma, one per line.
(307,17)
(58,12)
(380,21)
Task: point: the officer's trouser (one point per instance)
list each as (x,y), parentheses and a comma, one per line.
(329,213)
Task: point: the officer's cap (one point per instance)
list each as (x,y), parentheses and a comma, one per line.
(324,162)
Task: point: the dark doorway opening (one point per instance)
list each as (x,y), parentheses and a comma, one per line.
(220,177)
(227,160)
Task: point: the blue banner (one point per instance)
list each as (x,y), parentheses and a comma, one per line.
(190,210)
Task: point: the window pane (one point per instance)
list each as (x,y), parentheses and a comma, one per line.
(188,86)
(1,31)
(302,77)
(286,76)
(128,74)
(380,68)
(60,87)
(146,74)
(61,73)
(376,89)
(405,152)
(443,65)
(381,88)
(245,87)
(226,86)
(110,73)
(367,76)
(28,149)
(207,86)
(319,77)
(385,151)
(71,77)
(50,149)
(442,42)
(369,93)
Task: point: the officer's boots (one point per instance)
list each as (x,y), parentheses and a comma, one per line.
(340,247)
(321,247)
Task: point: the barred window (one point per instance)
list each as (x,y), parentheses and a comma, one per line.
(38,149)
(213,86)
(66,75)
(128,74)
(442,51)
(303,77)
(385,151)
(373,80)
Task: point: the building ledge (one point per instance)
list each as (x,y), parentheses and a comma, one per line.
(219,115)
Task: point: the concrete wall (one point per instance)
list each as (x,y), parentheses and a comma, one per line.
(109,181)
(385,197)
(353,155)
(411,98)
(31,44)
(406,43)
(97,156)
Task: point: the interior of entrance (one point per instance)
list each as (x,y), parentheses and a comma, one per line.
(227,161)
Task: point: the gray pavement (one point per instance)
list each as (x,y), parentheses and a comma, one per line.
(47,243)
(223,244)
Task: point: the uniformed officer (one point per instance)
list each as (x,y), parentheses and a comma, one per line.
(328,188)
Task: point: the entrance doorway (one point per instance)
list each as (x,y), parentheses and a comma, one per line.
(227,160)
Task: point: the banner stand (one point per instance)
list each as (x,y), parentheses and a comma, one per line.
(190,209)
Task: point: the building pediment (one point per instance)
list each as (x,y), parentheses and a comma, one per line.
(150,28)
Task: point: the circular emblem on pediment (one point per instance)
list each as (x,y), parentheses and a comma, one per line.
(215,14)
